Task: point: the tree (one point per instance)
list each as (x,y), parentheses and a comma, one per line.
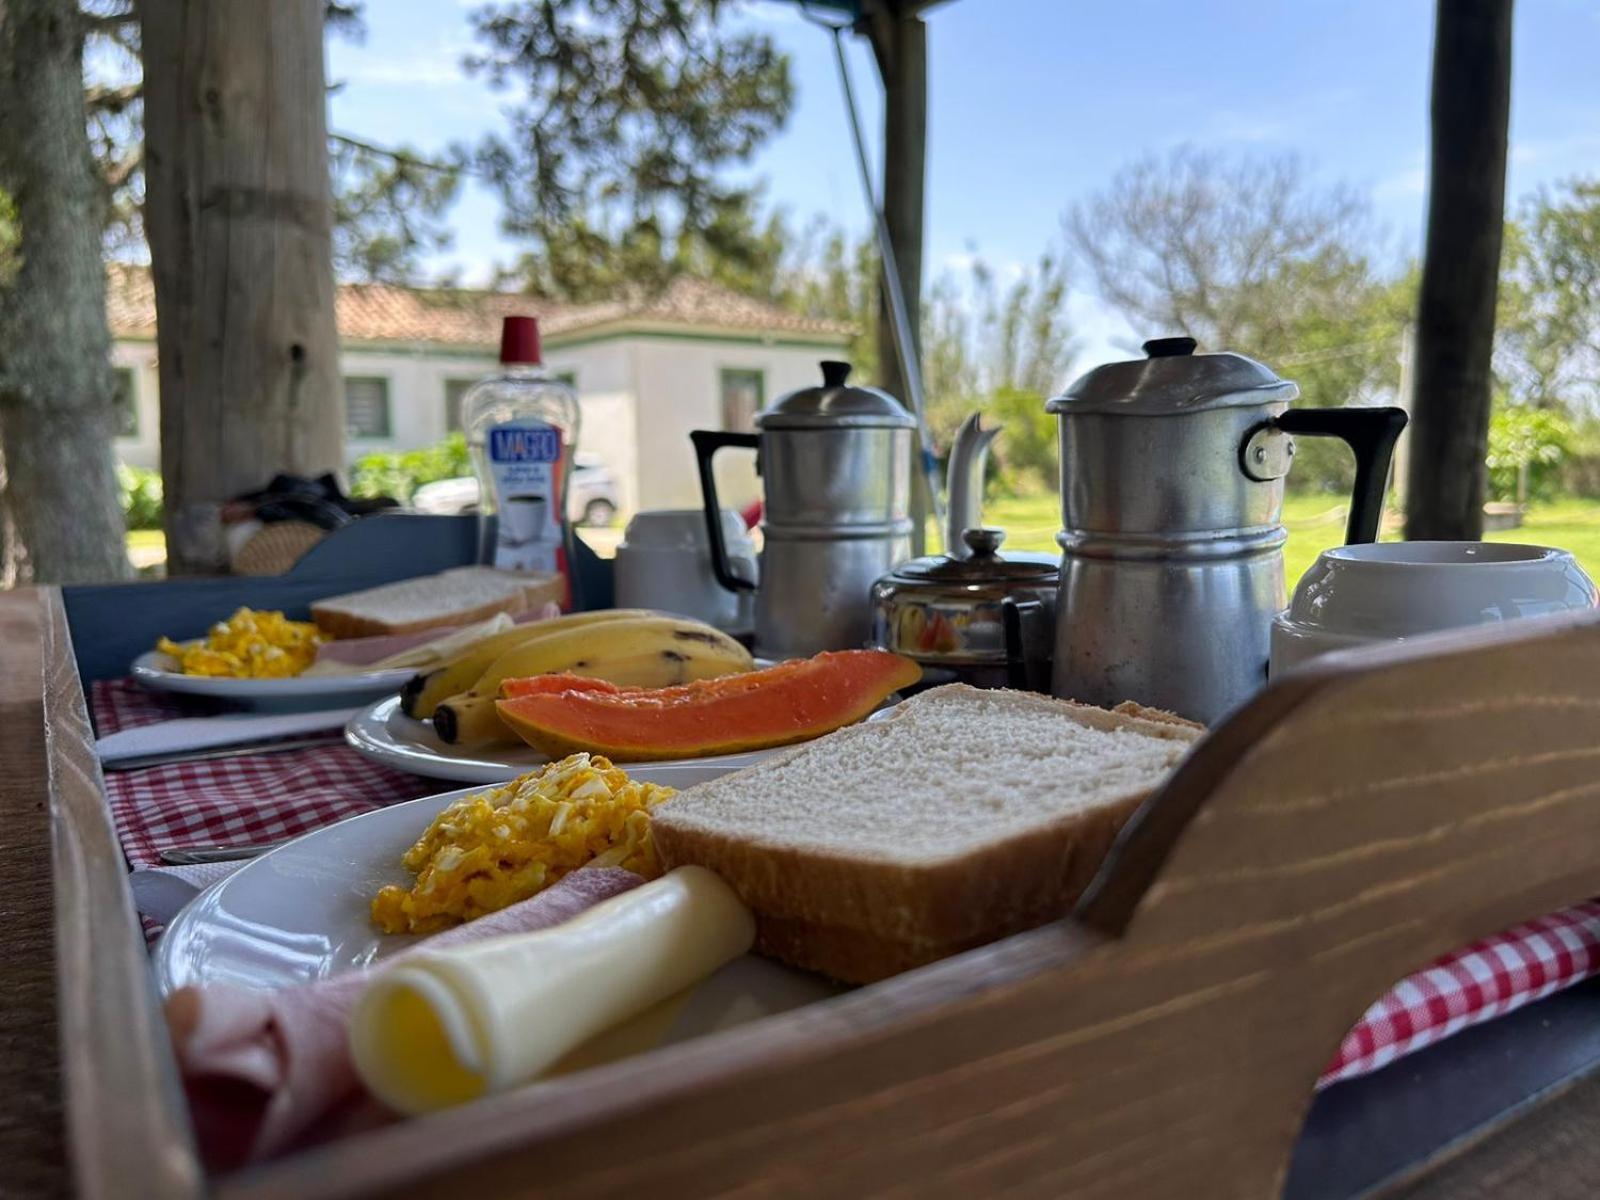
(59,513)
(1525,445)
(826,273)
(388,209)
(1249,255)
(239,218)
(1548,325)
(613,169)
(1471,106)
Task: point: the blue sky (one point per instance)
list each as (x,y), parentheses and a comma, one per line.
(1034,104)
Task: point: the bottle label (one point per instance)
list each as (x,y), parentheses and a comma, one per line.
(525,461)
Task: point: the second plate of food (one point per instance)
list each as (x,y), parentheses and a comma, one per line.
(386,735)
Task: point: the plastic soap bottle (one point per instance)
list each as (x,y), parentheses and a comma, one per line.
(522,427)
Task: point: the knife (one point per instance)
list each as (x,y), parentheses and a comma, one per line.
(188,856)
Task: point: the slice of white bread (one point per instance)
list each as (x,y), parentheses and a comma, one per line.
(964,816)
(458,596)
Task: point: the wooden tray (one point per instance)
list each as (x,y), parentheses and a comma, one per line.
(1346,827)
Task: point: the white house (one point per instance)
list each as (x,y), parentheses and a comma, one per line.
(647,370)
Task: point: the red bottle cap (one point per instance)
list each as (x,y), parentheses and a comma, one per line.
(519,340)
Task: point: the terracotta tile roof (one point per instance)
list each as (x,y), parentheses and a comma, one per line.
(461,317)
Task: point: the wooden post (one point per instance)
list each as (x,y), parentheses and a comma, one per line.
(239,217)
(899,40)
(900,45)
(1460,269)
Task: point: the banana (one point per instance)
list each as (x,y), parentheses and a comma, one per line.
(466,719)
(648,652)
(425,690)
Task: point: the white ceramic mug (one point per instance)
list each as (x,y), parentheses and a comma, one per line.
(1390,591)
(664,562)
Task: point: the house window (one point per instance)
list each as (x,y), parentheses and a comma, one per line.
(366,406)
(454,390)
(743,393)
(126,399)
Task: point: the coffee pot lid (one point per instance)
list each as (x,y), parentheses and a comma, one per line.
(835,405)
(1173,379)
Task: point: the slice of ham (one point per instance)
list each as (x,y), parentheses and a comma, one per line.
(261,1069)
(364,651)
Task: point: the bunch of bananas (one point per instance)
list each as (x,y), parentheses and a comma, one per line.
(629,647)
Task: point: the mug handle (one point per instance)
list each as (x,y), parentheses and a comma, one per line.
(1371,434)
(706,443)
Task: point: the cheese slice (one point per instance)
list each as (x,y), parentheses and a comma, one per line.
(445,1027)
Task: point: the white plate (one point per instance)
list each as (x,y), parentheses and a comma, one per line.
(157,670)
(301,913)
(385,734)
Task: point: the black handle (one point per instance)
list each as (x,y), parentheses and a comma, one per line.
(1023,673)
(706,443)
(1170,347)
(1371,433)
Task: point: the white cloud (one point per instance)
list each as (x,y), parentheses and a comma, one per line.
(430,70)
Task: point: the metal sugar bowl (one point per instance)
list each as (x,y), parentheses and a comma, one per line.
(835,461)
(1172,477)
(982,618)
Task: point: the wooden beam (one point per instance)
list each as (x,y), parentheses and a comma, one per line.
(900,44)
(1460,269)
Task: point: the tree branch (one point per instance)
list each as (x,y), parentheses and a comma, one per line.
(113,98)
(399,156)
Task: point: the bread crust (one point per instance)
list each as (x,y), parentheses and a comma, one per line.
(974,897)
(952,903)
(342,616)
(337,623)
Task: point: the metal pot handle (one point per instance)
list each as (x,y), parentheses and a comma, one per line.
(706,443)
(1369,432)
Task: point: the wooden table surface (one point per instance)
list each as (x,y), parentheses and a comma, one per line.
(1035,997)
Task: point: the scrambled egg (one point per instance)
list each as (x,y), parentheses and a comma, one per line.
(248,645)
(498,847)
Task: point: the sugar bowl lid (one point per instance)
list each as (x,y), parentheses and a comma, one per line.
(984,568)
(1173,379)
(835,405)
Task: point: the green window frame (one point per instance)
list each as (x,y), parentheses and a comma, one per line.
(744,393)
(454,391)
(126,400)
(366,407)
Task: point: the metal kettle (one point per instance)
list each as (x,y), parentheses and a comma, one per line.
(835,461)
(1172,477)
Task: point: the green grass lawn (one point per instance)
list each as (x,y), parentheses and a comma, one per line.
(1317,522)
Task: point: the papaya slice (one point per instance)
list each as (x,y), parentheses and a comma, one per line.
(790,702)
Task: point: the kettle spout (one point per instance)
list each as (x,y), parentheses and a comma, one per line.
(964,483)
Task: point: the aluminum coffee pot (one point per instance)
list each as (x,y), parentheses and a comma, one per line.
(1172,471)
(836,465)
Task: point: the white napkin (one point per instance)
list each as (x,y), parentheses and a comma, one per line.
(203,733)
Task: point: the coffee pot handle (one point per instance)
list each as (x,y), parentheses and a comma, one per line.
(1371,434)
(706,443)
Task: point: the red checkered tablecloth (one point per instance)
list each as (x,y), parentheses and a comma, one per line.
(240,800)
(262,797)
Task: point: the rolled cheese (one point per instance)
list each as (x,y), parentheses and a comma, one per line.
(445,1027)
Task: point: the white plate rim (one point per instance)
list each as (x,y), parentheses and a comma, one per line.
(368,734)
(149,670)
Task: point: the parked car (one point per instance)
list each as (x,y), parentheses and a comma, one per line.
(591,494)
